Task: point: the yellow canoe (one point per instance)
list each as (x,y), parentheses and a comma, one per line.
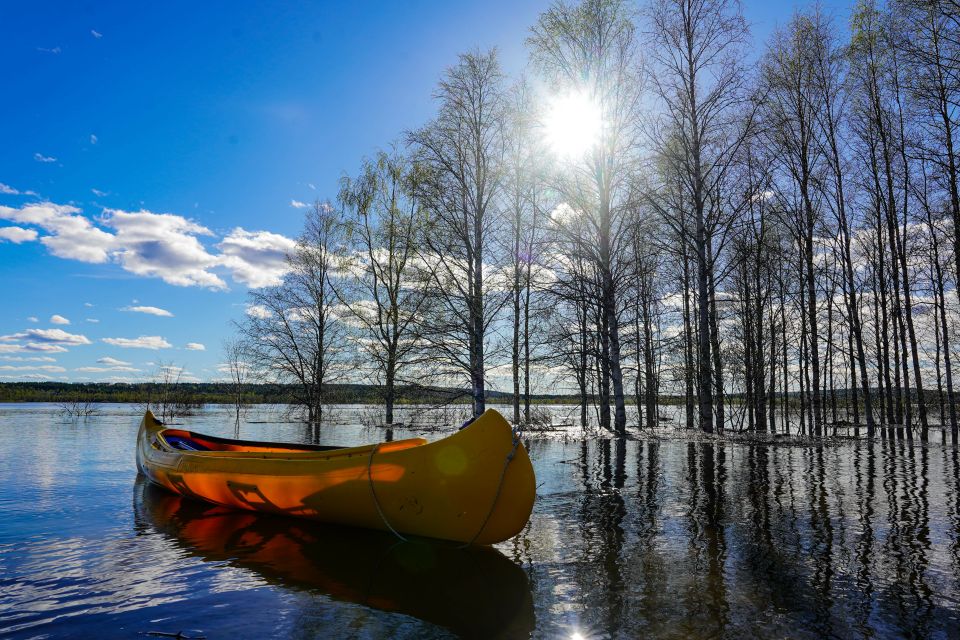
(474,486)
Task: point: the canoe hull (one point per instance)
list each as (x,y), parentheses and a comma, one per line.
(476,485)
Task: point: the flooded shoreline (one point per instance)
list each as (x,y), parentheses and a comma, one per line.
(652,536)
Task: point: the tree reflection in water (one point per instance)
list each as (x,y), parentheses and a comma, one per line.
(718,539)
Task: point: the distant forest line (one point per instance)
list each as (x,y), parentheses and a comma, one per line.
(200,393)
(225,393)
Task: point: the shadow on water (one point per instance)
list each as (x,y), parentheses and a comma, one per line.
(474,592)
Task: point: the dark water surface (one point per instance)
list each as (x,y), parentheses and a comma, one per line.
(643,538)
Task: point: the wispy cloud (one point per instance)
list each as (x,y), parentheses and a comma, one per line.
(93,138)
(58,319)
(16,235)
(11,191)
(195,346)
(50,336)
(296,204)
(153,311)
(93,320)
(27,376)
(28,359)
(39,157)
(98,193)
(96,34)
(51,368)
(112,362)
(143,342)
(32,346)
(55,50)
(44,346)
(106,369)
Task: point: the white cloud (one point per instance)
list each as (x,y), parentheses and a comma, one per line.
(153,311)
(256,258)
(39,157)
(31,346)
(88,304)
(28,376)
(33,319)
(30,359)
(72,236)
(112,362)
(10,191)
(145,243)
(46,367)
(195,346)
(258,311)
(93,137)
(99,193)
(96,34)
(43,346)
(143,342)
(54,51)
(58,319)
(296,204)
(92,320)
(161,245)
(49,336)
(16,235)
(105,369)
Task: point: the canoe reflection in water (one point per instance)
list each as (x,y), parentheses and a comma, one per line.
(474,592)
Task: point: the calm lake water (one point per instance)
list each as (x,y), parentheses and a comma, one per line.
(644,538)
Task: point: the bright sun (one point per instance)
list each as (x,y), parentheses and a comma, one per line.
(572,124)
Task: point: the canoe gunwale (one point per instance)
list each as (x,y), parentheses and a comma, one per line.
(293,456)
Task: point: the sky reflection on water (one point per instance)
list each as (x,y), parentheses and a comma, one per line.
(645,538)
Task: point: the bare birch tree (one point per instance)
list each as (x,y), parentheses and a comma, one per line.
(383,289)
(591,48)
(461,152)
(292,331)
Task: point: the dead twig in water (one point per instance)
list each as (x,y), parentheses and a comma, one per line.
(179,635)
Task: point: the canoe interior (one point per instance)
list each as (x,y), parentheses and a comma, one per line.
(192,441)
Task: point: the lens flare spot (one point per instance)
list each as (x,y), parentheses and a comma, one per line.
(452,461)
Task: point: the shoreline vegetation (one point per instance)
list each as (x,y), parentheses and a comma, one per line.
(225,393)
(201,393)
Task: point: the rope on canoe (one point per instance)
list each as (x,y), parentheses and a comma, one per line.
(373,491)
(496,496)
(493,505)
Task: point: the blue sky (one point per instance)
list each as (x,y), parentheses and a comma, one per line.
(151,153)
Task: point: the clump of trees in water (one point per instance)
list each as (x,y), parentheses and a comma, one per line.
(775,239)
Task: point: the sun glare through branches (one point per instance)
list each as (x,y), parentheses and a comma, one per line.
(573,124)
